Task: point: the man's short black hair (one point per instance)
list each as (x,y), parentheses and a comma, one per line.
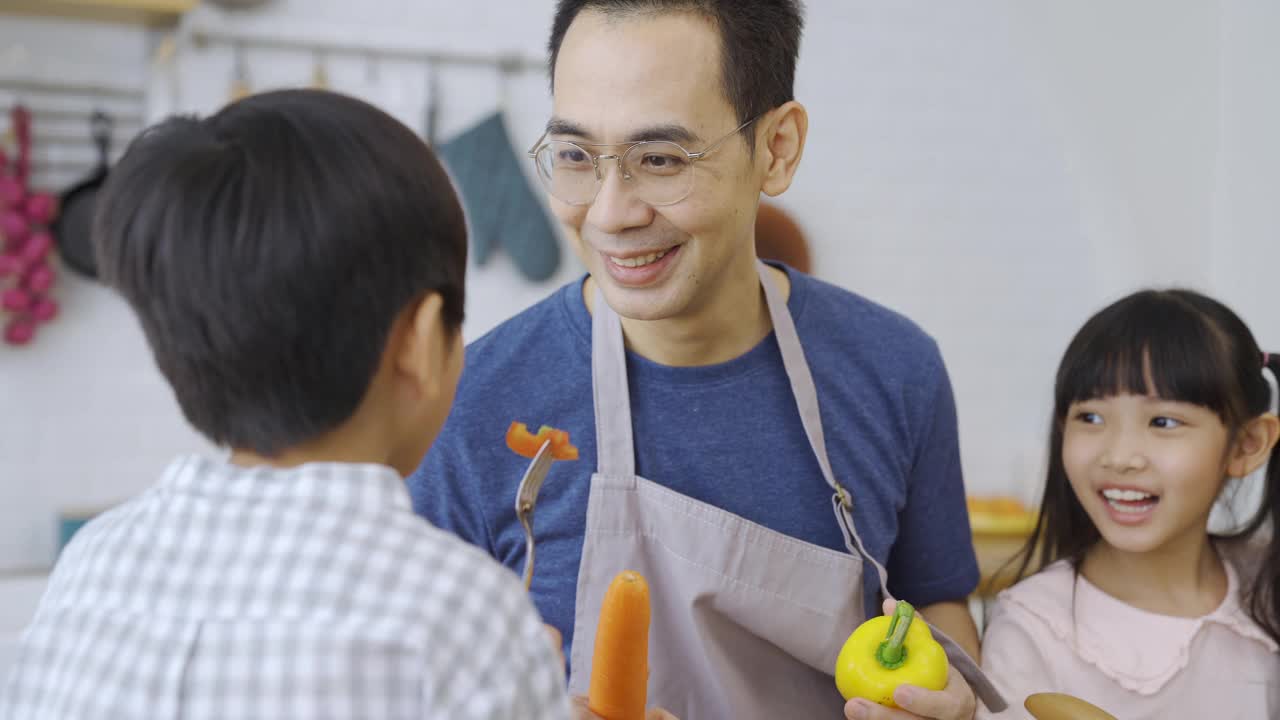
(267,251)
(759,39)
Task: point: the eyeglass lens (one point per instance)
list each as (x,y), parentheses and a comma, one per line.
(659,172)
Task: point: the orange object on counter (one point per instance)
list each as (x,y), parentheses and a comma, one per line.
(996,505)
(620,664)
(1000,515)
(527,444)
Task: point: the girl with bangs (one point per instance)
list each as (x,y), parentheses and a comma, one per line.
(1133,604)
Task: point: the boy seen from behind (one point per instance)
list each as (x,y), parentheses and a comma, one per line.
(296,262)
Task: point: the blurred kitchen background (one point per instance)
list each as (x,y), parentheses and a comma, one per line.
(994,169)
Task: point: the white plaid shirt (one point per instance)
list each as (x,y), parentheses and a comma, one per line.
(313,592)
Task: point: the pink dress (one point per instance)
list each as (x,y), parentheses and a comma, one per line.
(1132,663)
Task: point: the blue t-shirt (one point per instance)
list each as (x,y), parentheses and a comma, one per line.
(726,434)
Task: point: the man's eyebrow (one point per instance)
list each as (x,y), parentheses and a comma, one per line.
(670,132)
(560,126)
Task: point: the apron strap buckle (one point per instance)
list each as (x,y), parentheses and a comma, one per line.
(844,498)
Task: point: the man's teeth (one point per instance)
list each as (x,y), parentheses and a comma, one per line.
(1125,495)
(638,261)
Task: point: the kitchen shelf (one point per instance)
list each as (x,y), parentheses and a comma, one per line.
(994,552)
(133,12)
(24,573)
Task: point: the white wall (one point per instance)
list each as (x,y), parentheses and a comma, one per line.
(83,414)
(996,169)
(1246,237)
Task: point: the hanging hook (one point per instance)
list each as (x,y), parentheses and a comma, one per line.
(19,134)
(240,74)
(164,63)
(508,65)
(14,58)
(431,115)
(319,74)
(101,127)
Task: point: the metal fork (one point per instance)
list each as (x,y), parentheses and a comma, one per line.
(526,497)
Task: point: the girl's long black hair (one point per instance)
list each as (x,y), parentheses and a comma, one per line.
(1179,345)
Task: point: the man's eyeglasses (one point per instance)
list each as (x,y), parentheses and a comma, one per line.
(660,172)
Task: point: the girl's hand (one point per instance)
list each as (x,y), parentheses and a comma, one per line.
(954,702)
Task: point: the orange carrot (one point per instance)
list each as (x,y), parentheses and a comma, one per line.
(620,665)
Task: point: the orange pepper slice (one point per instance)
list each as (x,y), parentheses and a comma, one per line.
(527,444)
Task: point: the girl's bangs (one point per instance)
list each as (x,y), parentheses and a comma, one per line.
(1147,346)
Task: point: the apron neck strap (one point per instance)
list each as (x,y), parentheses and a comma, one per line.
(615,450)
(806,395)
(802,388)
(615,453)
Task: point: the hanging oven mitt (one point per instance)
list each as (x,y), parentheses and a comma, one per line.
(501,207)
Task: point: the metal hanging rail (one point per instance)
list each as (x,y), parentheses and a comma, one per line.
(90,90)
(507,62)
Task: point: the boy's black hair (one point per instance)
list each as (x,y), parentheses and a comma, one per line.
(267,251)
(1179,345)
(759,44)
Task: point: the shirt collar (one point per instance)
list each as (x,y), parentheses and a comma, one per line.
(353,486)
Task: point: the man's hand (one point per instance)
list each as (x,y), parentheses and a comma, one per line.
(581,712)
(954,702)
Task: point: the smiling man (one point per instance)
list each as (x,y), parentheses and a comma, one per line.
(761,445)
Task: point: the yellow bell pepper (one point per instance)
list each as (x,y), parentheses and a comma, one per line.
(887,651)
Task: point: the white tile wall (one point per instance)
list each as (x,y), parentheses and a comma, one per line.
(996,169)
(19,597)
(1246,236)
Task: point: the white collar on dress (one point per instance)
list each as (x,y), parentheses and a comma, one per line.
(1140,650)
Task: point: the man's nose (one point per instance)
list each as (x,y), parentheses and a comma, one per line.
(616,207)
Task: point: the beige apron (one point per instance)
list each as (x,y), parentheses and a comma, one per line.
(746,621)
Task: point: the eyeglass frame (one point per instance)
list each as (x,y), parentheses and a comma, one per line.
(617,157)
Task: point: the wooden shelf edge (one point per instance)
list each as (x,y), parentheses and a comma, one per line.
(150,13)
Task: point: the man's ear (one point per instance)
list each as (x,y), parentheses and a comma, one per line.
(781,144)
(1253,445)
(424,345)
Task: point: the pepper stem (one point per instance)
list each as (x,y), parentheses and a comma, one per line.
(892,653)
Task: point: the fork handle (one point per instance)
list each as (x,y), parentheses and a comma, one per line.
(526,520)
